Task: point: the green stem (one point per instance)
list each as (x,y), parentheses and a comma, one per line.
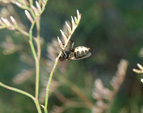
(40,1)
(38,39)
(77,91)
(31,41)
(18,29)
(37,79)
(81,95)
(2,27)
(37,105)
(16,90)
(31,2)
(23,93)
(22,31)
(38,58)
(53,69)
(51,76)
(49,82)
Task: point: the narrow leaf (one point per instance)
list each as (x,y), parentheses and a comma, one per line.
(38,6)
(6,22)
(140,66)
(13,20)
(73,24)
(64,36)
(60,42)
(29,16)
(68,27)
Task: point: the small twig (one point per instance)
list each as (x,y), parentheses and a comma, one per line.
(38,40)
(23,93)
(49,82)
(60,96)
(35,18)
(81,95)
(22,32)
(31,41)
(36,56)
(74,26)
(37,105)
(31,2)
(78,92)
(17,90)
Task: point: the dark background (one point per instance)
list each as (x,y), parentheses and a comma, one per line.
(113,29)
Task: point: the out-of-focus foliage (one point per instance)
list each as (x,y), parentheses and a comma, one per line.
(113,29)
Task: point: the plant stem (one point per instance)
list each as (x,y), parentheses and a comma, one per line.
(37,79)
(50,77)
(38,59)
(22,32)
(37,105)
(49,82)
(18,29)
(40,1)
(16,90)
(81,95)
(36,56)
(23,93)
(31,41)
(38,39)
(31,2)
(53,69)
(2,27)
(77,91)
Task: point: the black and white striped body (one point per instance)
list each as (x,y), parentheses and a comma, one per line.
(80,52)
(77,53)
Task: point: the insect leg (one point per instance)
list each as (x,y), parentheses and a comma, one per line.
(64,54)
(71,45)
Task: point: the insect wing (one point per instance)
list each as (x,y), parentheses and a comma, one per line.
(80,52)
(86,56)
(70,46)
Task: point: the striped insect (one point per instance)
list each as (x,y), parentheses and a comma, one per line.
(71,53)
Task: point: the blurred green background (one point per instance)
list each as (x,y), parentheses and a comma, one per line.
(113,29)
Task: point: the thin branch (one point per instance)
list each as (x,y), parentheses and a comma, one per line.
(81,95)
(37,105)
(36,56)
(34,19)
(77,91)
(56,62)
(17,90)
(23,93)
(22,31)
(49,82)
(38,40)
(31,41)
